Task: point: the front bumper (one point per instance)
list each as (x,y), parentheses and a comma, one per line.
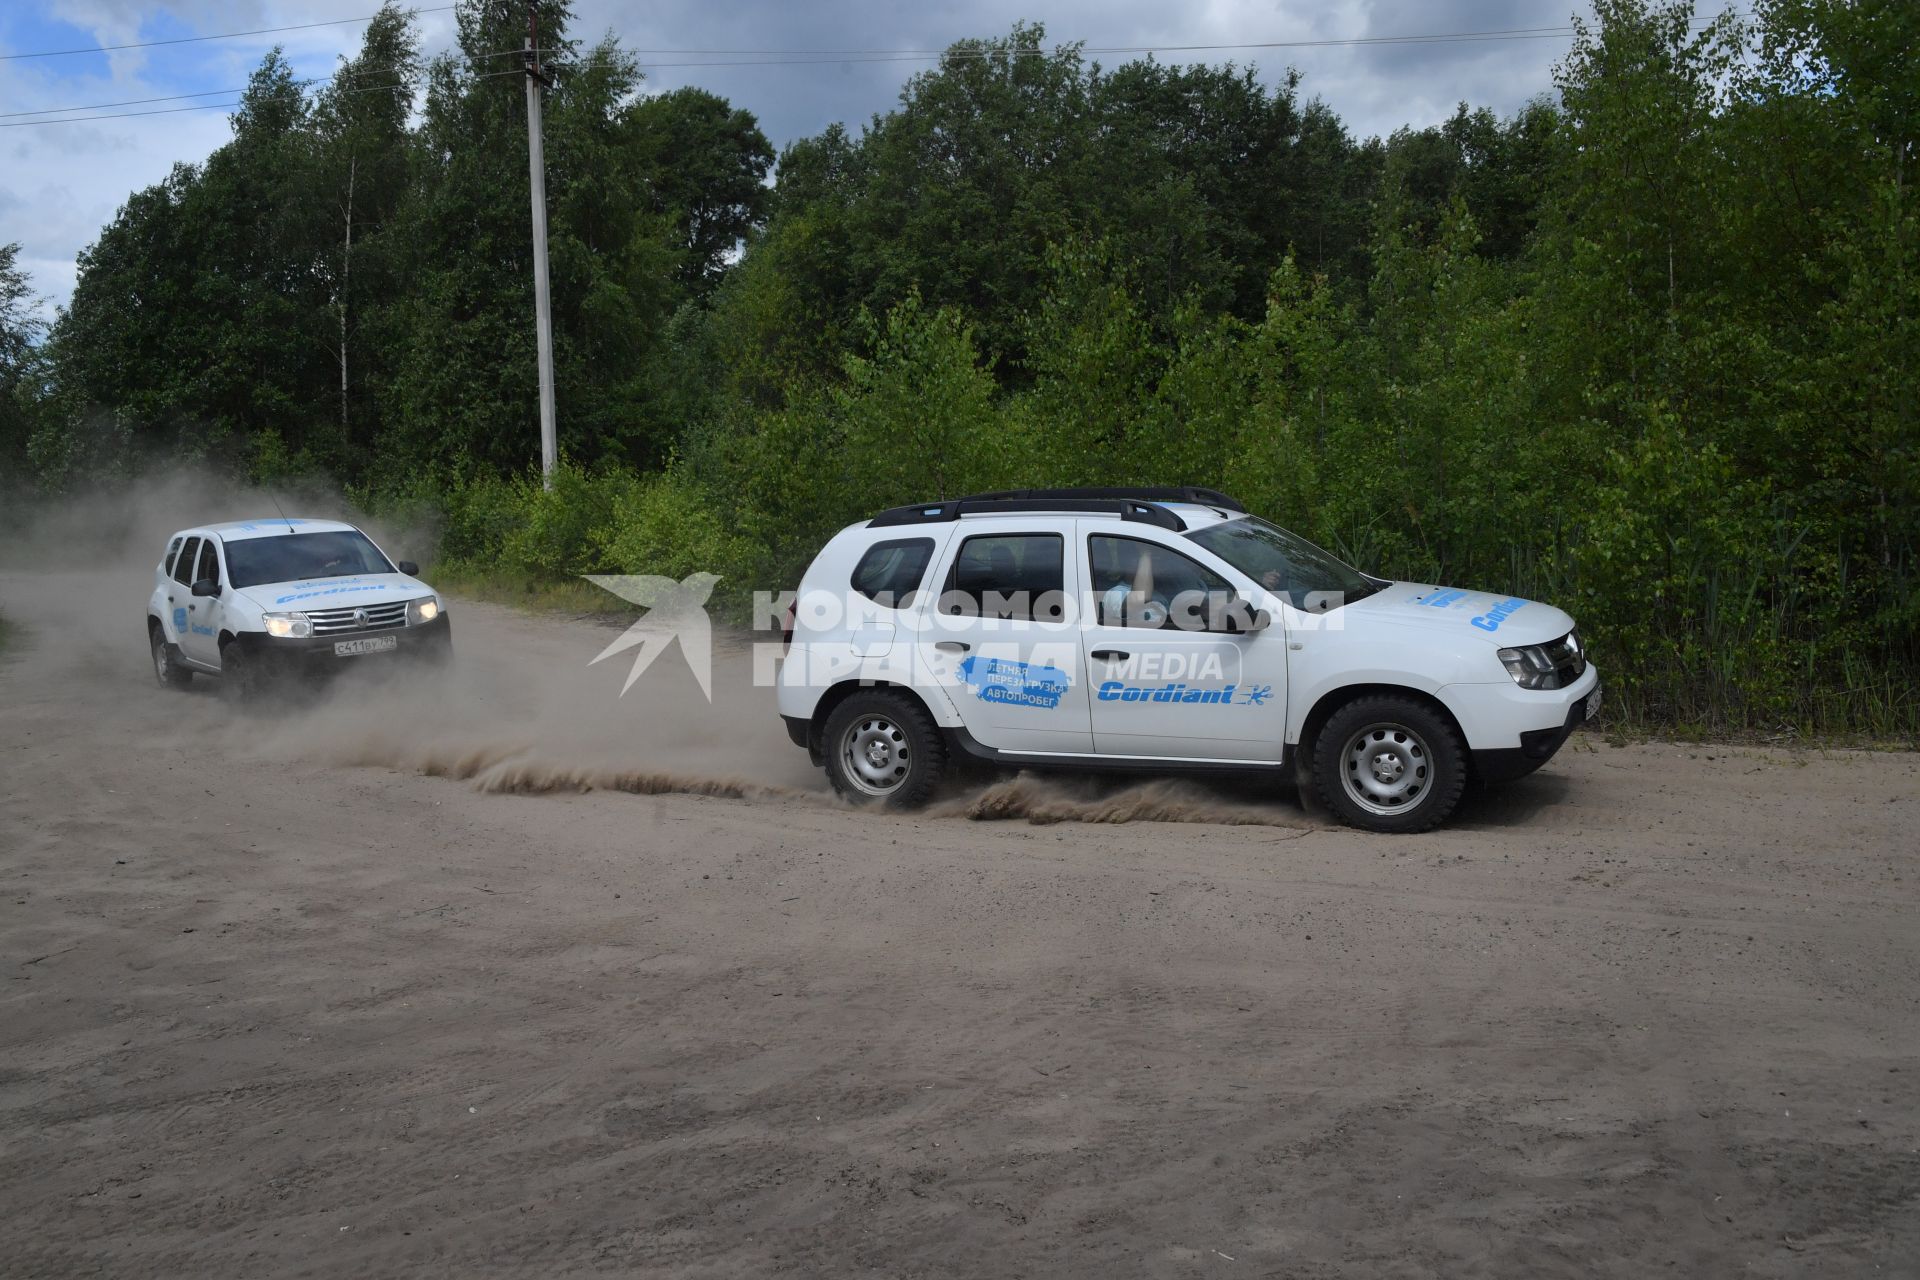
(1537,746)
(314,655)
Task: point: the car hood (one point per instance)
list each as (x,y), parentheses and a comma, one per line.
(1456,611)
(335,593)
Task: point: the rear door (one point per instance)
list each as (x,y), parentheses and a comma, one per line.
(1002,639)
(159,603)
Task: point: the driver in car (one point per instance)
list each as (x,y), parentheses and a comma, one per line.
(1132,603)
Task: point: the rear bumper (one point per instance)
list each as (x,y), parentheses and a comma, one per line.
(314,655)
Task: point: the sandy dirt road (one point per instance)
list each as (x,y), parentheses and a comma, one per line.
(369,987)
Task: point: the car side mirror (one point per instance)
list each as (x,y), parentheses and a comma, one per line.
(1240,620)
(408,567)
(206,587)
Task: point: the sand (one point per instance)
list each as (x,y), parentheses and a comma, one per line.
(458,979)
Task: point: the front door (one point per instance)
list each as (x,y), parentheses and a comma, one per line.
(1165,679)
(201,640)
(1003,642)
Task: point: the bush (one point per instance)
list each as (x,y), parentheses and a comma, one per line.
(561,532)
(667,526)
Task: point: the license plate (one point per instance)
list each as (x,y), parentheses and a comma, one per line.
(1593,703)
(372,644)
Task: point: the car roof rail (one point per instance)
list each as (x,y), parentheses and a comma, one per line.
(1146,493)
(953,508)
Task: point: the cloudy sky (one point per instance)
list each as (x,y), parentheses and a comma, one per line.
(59,183)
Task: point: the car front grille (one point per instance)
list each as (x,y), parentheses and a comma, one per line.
(372,617)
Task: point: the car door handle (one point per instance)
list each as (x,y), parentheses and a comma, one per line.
(1111,655)
(952,646)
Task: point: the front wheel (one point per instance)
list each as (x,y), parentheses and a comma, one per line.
(884,749)
(241,678)
(1389,764)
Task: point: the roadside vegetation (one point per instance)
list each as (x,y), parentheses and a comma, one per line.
(1645,349)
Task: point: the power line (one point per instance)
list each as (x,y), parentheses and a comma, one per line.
(1531,32)
(102,106)
(814,57)
(210,93)
(823,57)
(204,106)
(764,57)
(176,97)
(122,115)
(225,35)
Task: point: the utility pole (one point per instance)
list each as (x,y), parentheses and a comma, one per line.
(543,313)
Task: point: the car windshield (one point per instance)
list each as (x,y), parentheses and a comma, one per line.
(294,556)
(1286,564)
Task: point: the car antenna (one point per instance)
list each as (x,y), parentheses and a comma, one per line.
(277,507)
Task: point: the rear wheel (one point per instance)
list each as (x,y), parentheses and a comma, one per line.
(166,661)
(884,749)
(1390,764)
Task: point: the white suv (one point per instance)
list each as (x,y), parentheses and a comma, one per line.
(1163,630)
(255,600)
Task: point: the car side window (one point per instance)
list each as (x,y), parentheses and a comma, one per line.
(889,573)
(183,565)
(1143,584)
(1016,576)
(209,563)
(173,549)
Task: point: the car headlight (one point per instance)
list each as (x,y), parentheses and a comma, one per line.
(288,625)
(423,610)
(1546,666)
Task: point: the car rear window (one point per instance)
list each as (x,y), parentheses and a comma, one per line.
(890,572)
(293,557)
(1012,575)
(183,563)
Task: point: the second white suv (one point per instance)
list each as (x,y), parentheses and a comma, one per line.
(252,601)
(1163,630)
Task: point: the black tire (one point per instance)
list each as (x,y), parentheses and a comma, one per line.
(884,749)
(241,679)
(166,660)
(1390,764)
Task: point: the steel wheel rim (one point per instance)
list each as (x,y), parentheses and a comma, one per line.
(875,755)
(162,665)
(1386,769)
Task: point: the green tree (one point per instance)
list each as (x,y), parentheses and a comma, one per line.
(705,163)
(362,181)
(21,367)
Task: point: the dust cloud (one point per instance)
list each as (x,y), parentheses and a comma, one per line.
(522,710)
(1043,801)
(126,525)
